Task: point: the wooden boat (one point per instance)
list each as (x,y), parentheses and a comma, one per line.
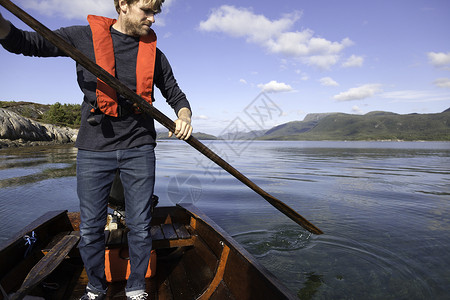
(196,259)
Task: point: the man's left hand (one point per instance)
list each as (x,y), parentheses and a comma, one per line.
(183,128)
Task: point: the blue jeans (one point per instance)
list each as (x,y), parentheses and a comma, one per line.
(95,174)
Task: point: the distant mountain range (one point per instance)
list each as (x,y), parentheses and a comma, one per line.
(377,125)
(163,134)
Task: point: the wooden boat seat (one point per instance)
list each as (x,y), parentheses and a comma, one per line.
(164,236)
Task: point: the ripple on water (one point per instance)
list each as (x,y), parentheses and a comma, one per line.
(261,242)
(375,267)
(325,264)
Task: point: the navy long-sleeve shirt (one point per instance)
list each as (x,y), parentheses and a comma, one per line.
(113,133)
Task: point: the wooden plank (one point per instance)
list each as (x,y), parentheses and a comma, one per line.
(54,241)
(162,244)
(156,233)
(218,277)
(164,292)
(169,232)
(202,250)
(177,214)
(222,292)
(163,269)
(80,286)
(180,283)
(210,237)
(181,231)
(200,273)
(259,285)
(47,265)
(151,287)
(116,290)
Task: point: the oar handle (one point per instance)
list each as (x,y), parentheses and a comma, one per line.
(92,67)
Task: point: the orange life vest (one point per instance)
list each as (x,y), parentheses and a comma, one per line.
(104,57)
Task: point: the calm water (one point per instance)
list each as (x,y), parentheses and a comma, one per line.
(384,208)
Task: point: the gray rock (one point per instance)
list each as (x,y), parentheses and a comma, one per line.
(15,127)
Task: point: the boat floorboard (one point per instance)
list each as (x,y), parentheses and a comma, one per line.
(171,283)
(163,236)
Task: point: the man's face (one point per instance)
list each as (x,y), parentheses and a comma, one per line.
(139,18)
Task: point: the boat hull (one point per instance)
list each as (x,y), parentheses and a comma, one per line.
(196,259)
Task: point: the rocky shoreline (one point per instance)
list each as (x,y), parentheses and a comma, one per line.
(17,131)
(22,143)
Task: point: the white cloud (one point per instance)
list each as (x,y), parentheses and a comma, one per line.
(416,96)
(322,61)
(275,87)
(440,59)
(303,75)
(357,110)
(167,4)
(167,35)
(275,35)
(442,82)
(71,9)
(328,81)
(200,117)
(359,93)
(353,61)
(405,94)
(243,81)
(160,19)
(79,9)
(243,23)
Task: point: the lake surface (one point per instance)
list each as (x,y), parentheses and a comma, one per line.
(384,208)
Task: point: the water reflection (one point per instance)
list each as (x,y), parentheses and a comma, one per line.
(22,166)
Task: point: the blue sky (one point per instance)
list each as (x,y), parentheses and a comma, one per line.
(350,56)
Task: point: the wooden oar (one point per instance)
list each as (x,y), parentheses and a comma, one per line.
(46,265)
(151,110)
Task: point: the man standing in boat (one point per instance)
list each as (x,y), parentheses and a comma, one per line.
(114,134)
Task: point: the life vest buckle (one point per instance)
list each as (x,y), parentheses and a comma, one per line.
(95,117)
